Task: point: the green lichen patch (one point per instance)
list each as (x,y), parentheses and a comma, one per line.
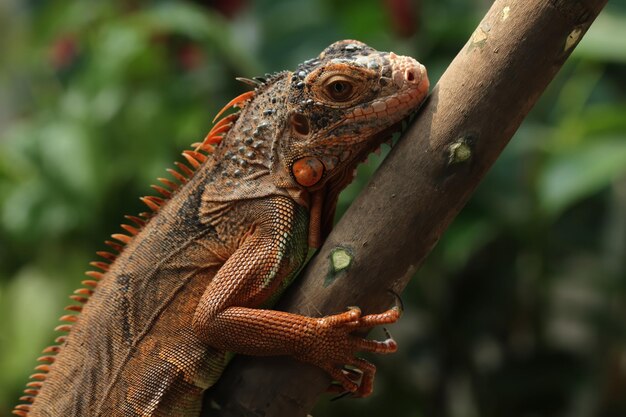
(340,260)
(459,151)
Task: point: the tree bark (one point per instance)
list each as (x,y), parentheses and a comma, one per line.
(430,174)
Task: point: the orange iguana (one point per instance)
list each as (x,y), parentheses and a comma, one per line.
(191,283)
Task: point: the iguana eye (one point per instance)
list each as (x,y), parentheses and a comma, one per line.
(339,89)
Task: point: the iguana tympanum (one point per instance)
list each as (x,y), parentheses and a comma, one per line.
(191,283)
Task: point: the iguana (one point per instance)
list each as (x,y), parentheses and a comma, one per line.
(191,284)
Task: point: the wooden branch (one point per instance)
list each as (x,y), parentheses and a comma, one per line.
(472,113)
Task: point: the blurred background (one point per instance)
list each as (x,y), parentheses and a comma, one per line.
(519,311)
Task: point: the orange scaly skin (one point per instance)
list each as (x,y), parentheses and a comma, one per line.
(192,281)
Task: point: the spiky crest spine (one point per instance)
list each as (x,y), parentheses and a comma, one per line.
(195,157)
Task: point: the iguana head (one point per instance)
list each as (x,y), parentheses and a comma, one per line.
(341,106)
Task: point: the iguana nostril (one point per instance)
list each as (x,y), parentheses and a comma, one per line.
(409,75)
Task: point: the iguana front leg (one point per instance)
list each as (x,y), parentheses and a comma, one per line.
(228,318)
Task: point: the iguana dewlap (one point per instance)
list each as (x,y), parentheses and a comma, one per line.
(191,283)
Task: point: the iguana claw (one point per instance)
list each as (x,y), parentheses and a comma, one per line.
(332,346)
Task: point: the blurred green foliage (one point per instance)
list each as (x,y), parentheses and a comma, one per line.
(520,309)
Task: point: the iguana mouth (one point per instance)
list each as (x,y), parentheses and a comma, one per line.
(406,82)
(411,79)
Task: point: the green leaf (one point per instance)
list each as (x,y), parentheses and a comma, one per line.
(569,177)
(201,25)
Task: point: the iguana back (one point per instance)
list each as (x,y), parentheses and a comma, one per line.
(190,283)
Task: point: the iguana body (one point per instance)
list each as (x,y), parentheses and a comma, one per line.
(190,287)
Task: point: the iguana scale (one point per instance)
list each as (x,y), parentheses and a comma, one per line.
(192,283)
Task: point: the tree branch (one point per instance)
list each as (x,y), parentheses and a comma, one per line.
(470,116)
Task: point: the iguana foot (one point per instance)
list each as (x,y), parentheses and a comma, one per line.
(332,347)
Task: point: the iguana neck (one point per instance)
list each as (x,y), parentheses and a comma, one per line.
(248,151)
(248,161)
